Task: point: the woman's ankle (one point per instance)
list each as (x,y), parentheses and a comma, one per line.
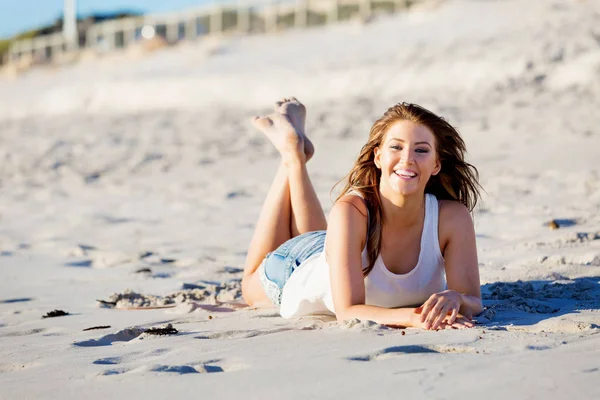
(291,161)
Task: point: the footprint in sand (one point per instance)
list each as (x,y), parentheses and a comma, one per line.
(124,335)
(16,300)
(23,333)
(561,223)
(205,367)
(108,361)
(242,334)
(118,371)
(88,256)
(394,351)
(80,264)
(231,270)
(188,369)
(236,194)
(130,357)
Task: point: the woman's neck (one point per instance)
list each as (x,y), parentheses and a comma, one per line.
(403,211)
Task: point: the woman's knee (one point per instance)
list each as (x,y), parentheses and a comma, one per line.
(252,291)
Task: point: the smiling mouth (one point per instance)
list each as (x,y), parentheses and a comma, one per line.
(406,174)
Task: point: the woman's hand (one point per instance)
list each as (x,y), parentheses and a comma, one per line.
(460,322)
(441,311)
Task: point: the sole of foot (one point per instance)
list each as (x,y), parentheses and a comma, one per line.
(296,112)
(279,130)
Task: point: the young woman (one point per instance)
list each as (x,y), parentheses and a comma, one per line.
(399,247)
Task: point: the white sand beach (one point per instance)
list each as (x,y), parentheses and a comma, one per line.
(144,175)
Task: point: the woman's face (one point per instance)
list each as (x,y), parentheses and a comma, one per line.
(407,158)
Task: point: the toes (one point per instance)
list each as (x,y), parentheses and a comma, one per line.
(281,105)
(262,123)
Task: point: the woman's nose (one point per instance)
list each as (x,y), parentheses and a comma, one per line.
(407,158)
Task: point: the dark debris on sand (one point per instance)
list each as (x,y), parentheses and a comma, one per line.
(97,327)
(167,330)
(55,313)
(105,303)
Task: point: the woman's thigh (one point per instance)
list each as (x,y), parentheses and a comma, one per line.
(278,266)
(263,287)
(253,291)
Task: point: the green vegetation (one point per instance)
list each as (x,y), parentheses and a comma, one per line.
(6,43)
(384,6)
(4,46)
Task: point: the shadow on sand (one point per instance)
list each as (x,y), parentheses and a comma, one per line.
(529,302)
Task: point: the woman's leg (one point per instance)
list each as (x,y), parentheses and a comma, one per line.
(291,206)
(305,216)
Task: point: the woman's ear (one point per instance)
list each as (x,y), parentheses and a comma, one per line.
(377,154)
(438,166)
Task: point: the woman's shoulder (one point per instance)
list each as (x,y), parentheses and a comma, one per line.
(454,217)
(352,201)
(452,212)
(348,218)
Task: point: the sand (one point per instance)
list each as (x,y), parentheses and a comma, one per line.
(138,182)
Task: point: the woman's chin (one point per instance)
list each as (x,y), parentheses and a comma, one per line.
(405,190)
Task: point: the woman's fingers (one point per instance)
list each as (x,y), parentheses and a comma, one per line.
(462,321)
(427,307)
(453,316)
(428,310)
(435,312)
(441,310)
(441,316)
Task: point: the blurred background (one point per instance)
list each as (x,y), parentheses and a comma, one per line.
(42,31)
(124,125)
(127,161)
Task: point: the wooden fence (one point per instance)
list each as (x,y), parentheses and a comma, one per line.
(237,16)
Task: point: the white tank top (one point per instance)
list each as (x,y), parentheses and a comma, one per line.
(308,291)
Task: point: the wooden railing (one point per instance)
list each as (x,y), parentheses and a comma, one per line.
(237,16)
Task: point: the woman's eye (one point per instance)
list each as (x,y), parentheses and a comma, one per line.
(396,147)
(422,150)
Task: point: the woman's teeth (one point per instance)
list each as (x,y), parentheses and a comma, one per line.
(406,174)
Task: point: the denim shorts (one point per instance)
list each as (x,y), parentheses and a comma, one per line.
(278,266)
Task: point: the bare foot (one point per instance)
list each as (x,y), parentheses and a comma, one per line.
(296,112)
(280,131)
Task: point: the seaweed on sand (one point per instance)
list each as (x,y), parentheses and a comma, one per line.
(167,330)
(55,313)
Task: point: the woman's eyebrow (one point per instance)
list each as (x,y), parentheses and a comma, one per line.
(400,140)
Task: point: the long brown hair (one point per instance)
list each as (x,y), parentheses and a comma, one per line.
(457,179)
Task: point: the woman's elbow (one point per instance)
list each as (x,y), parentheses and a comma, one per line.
(341,316)
(344,313)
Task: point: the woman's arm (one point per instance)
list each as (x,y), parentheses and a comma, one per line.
(457,238)
(346,236)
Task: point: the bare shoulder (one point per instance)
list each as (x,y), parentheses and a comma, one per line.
(454,212)
(350,202)
(454,219)
(348,219)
